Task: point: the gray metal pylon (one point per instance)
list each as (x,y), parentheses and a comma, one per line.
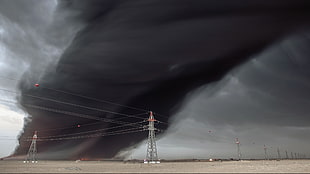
(265,149)
(32,152)
(151,154)
(238,148)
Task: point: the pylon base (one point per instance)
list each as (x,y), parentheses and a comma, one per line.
(151,162)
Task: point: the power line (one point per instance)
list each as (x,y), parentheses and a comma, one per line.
(71,113)
(86,97)
(68,127)
(160,115)
(91,131)
(98,100)
(75,114)
(8,101)
(77,127)
(6,90)
(90,98)
(9,78)
(125,131)
(81,106)
(122,123)
(85,107)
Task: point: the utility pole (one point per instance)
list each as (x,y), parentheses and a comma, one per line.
(238,148)
(265,149)
(32,152)
(151,154)
(286,155)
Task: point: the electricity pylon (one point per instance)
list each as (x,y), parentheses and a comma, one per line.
(32,152)
(238,148)
(151,154)
(265,149)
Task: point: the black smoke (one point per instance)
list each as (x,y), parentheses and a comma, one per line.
(148,54)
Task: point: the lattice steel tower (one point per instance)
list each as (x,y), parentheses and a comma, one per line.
(238,148)
(32,152)
(265,149)
(151,154)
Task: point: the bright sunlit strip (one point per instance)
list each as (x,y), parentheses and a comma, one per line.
(11,123)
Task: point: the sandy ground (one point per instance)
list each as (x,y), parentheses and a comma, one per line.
(283,166)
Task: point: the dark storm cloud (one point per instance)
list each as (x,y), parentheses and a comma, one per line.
(150,54)
(139,44)
(263,102)
(275,84)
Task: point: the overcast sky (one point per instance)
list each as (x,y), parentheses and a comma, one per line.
(219,72)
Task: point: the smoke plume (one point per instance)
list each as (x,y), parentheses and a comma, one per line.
(168,57)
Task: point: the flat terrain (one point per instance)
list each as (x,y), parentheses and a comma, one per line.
(283,166)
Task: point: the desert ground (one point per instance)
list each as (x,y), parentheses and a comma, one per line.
(259,166)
